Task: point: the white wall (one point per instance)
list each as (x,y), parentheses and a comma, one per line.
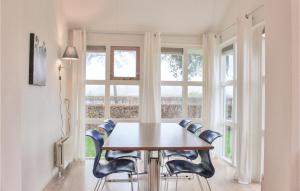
(282,96)
(30,115)
(0,94)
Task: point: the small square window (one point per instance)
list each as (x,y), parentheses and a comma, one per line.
(171,64)
(95,63)
(228,99)
(195,101)
(94,100)
(171,102)
(195,67)
(124,101)
(125,63)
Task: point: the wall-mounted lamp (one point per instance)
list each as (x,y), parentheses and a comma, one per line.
(70,54)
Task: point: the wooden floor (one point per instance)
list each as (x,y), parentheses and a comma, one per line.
(79,177)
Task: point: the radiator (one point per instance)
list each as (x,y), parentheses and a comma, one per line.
(62,154)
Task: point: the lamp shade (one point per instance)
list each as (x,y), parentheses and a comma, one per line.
(70,53)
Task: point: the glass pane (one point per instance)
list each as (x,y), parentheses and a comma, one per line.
(195,95)
(124,101)
(125,63)
(89,144)
(228,102)
(171,102)
(228,66)
(95,65)
(94,99)
(171,66)
(195,68)
(228,142)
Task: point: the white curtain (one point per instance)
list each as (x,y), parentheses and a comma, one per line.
(77,100)
(256,101)
(150,101)
(243,101)
(211,59)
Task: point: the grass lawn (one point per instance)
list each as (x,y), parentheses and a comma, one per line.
(228,143)
(89,148)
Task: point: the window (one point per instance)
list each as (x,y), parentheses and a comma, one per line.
(94,99)
(182,76)
(112,86)
(171,102)
(95,63)
(263,96)
(195,97)
(172,64)
(116,98)
(228,86)
(125,63)
(124,101)
(95,71)
(228,142)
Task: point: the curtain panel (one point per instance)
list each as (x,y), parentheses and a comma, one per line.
(78,95)
(243,101)
(150,98)
(211,60)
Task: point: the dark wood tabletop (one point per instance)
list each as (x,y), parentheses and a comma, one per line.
(153,137)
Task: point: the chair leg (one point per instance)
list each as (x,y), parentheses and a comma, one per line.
(201,186)
(166,183)
(97,184)
(137,173)
(103,184)
(131,181)
(176,182)
(208,184)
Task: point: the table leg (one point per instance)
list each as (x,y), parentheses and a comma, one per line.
(146,160)
(154,172)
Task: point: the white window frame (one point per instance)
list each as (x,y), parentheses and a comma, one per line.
(185,84)
(225,122)
(108,82)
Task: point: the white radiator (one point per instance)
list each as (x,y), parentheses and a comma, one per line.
(63,153)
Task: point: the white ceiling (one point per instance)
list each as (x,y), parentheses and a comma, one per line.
(169,16)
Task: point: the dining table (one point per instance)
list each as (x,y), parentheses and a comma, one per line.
(153,138)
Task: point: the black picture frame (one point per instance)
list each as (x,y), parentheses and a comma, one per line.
(37,61)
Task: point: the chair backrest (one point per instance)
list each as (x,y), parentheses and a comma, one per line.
(98,142)
(108,127)
(184,123)
(194,127)
(209,137)
(110,122)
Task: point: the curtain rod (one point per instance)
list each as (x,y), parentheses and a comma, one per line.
(246,16)
(140,33)
(253,11)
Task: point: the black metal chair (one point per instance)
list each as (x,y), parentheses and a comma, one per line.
(184,123)
(194,127)
(110,122)
(107,127)
(204,169)
(101,171)
(188,154)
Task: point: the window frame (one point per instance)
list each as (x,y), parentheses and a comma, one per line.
(185,83)
(124,48)
(226,122)
(107,82)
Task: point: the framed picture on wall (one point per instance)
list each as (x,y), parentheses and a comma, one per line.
(37,61)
